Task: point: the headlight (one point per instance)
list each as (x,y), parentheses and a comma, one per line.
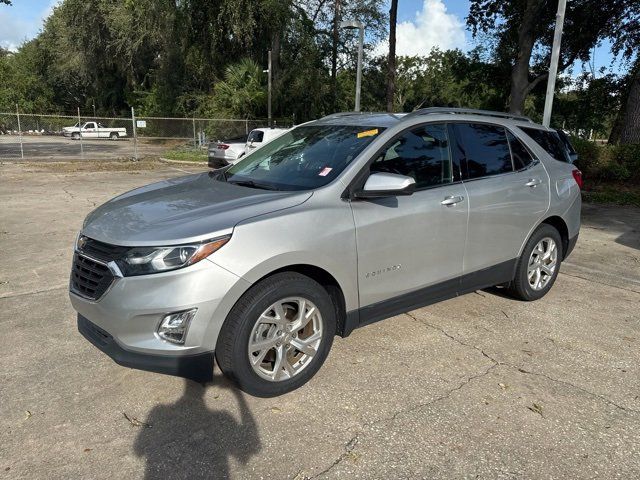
(145,260)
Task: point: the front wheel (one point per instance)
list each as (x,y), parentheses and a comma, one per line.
(278,335)
(75,136)
(538,265)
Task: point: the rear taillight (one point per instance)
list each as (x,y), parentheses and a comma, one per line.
(577,175)
(222,146)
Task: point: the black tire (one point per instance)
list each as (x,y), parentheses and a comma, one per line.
(520,287)
(75,136)
(233,341)
(114,136)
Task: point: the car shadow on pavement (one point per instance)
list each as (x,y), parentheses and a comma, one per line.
(187,439)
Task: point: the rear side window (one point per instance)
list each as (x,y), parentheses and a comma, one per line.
(422,153)
(550,141)
(255,136)
(565,141)
(485,148)
(521,156)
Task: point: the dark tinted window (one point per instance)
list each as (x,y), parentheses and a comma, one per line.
(573,155)
(422,153)
(255,136)
(485,148)
(521,156)
(551,143)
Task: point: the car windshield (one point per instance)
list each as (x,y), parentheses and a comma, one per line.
(304,158)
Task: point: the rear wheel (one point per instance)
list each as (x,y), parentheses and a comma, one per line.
(278,335)
(114,136)
(538,265)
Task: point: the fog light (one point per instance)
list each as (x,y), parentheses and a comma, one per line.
(174,326)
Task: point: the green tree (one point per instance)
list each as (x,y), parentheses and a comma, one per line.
(523,35)
(241,94)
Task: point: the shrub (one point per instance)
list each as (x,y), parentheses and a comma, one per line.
(608,162)
(589,156)
(628,156)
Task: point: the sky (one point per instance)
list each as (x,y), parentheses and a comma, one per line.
(422,25)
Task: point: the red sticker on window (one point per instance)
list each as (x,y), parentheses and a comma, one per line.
(325,171)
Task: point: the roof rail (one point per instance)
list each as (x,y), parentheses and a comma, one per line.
(351,114)
(467,111)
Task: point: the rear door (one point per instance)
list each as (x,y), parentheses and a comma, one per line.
(411,247)
(508,194)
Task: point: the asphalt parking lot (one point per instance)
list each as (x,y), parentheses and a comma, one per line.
(52,147)
(481,386)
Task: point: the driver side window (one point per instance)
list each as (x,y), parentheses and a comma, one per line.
(422,153)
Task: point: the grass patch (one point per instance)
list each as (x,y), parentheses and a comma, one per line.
(617,194)
(186,154)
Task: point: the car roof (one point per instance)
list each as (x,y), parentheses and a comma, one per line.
(383,119)
(361,118)
(269,129)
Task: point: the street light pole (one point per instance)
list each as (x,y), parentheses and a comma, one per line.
(553,68)
(351,25)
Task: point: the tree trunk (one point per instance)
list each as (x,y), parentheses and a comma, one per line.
(520,72)
(391,61)
(334,55)
(626,129)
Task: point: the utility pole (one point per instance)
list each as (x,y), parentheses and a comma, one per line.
(553,68)
(268,72)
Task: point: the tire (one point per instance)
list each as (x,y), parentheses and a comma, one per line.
(524,288)
(114,136)
(241,332)
(75,136)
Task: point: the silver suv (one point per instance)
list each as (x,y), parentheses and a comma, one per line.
(336,224)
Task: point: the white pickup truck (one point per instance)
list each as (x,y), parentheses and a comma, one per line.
(94,130)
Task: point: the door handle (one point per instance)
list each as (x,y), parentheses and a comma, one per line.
(533,182)
(451,200)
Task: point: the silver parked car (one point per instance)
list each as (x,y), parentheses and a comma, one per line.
(336,224)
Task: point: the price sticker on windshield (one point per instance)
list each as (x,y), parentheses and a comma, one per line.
(325,171)
(368,133)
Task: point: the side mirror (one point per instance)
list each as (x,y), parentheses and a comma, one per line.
(380,185)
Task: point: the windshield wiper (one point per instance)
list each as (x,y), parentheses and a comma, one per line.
(252,184)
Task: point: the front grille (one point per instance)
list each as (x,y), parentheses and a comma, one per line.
(102,251)
(90,278)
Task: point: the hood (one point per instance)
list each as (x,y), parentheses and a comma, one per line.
(181,210)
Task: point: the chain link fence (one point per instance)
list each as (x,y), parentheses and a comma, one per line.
(59,137)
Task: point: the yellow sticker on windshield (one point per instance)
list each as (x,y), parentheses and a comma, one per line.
(368,133)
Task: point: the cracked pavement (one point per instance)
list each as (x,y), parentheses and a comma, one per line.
(481,386)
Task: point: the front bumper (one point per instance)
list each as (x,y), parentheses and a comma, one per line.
(130,312)
(197,367)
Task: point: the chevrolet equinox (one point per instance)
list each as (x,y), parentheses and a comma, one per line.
(336,224)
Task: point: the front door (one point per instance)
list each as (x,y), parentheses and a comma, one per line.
(411,247)
(89,130)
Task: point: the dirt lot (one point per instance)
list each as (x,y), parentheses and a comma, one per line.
(481,386)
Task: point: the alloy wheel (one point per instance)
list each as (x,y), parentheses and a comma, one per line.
(543,262)
(285,339)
